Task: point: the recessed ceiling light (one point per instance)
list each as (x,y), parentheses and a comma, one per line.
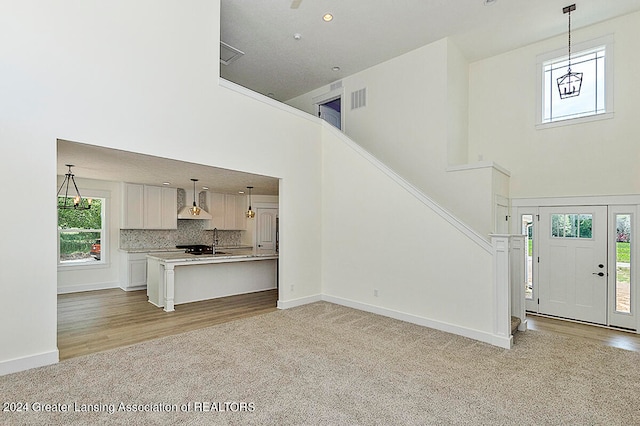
(335,69)
(271,95)
(297,36)
(240,192)
(205,188)
(489,2)
(166,183)
(327,17)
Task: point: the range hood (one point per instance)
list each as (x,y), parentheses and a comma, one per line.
(184,212)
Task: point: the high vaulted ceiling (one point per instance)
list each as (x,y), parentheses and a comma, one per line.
(367,32)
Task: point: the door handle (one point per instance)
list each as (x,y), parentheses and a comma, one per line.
(600,274)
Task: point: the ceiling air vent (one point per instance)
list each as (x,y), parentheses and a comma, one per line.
(228,53)
(359,98)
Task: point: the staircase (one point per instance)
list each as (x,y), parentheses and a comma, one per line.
(515,322)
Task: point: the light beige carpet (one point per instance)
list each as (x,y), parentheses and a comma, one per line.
(327,364)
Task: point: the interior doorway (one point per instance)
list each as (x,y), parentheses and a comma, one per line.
(266,230)
(331,112)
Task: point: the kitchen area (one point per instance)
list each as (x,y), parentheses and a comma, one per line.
(181,232)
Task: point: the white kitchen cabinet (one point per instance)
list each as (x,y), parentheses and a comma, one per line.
(241,210)
(133,271)
(149,207)
(132,206)
(169,208)
(153,207)
(227,211)
(216,205)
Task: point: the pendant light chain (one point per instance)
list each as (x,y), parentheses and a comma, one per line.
(570,83)
(569,39)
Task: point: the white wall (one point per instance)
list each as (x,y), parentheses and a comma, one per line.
(378,236)
(138,76)
(98,276)
(596,158)
(415,122)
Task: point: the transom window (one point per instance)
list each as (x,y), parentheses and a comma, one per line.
(594,60)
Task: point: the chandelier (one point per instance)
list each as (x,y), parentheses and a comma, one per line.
(569,84)
(79,203)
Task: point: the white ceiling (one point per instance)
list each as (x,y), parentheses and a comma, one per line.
(100,163)
(365,33)
(362,34)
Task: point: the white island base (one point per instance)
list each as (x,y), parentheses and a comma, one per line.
(171,282)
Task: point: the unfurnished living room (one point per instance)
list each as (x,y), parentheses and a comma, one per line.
(320,212)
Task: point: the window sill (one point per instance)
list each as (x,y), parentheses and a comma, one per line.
(82,267)
(573,121)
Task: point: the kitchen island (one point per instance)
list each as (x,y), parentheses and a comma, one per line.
(175,278)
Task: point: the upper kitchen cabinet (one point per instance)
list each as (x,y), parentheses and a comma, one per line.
(227,211)
(149,207)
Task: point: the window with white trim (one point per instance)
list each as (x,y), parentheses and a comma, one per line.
(594,60)
(80,235)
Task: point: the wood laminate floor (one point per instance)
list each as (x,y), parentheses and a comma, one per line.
(95,321)
(601,335)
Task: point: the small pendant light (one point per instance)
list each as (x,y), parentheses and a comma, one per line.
(569,84)
(250,213)
(79,203)
(195,210)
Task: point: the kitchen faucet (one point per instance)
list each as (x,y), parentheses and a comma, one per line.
(215,241)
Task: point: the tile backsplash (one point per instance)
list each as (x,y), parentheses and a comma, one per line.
(188,232)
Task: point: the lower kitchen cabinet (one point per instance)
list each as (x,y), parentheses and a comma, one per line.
(133,269)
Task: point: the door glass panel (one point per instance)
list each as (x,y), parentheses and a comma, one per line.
(571,225)
(527,230)
(586,226)
(623,263)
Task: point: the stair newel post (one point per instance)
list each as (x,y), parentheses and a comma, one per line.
(502,291)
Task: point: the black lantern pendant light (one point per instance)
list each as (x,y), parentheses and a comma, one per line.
(194,210)
(79,203)
(250,213)
(569,84)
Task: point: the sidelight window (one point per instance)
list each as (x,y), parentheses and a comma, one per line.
(623,263)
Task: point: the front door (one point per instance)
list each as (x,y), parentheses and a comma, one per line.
(573,263)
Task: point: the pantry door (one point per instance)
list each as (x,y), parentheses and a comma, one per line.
(573,263)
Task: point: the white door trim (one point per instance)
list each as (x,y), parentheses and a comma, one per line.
(617,204)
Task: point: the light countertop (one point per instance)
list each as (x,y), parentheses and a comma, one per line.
(187,259)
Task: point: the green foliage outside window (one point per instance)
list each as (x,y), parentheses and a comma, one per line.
(81,219)
(79,230)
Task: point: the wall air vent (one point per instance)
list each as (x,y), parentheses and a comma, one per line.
(335,85)
(359,98)
(228,53)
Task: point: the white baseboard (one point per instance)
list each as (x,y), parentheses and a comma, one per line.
(87,287)
(136,288)
(28,362)
(299,302)
(492,339)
